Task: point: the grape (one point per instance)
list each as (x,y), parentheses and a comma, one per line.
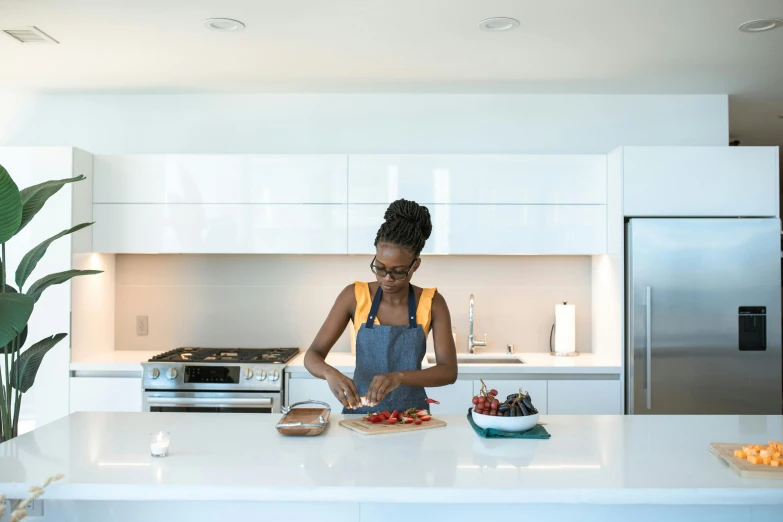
(493,392)
(495,404)
(475,400)
(494,413)
(482,399)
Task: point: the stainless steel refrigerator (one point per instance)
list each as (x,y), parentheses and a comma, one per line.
(703,316)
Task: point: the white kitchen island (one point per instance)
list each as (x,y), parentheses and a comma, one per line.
(236,466)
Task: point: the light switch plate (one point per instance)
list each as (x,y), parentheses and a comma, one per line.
(142,325)
(34,508)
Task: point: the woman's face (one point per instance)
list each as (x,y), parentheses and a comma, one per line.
(398,260)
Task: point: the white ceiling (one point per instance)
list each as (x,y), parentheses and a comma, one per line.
(561,46)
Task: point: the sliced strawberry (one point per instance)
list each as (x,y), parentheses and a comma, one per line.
(386,412)
(374,418)
(422,412)
(425,418)
(395,414)
(417,422)
(391,421)
(407,420)
(433,401)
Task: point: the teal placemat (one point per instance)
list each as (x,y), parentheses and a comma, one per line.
(538,432)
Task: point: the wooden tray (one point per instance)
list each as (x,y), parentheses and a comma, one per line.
(368,428)
(742,467)
(304,422)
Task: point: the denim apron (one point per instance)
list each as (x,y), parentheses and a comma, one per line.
(385,349)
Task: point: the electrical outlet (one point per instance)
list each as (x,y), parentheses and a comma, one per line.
(34,508)
(142,325)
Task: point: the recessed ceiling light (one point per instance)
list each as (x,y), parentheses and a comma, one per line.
(498,24)
(764,24)
(224,25)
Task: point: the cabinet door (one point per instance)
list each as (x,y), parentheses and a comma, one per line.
(495,229)
(220,178)
(105,394)
(700,181)
(305,389)
(478,178)
(536,389)
(454,399)
(580,397)
(220,229)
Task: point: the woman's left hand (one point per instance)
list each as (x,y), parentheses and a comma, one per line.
(381,386)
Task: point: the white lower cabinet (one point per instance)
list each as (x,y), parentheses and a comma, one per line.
(583,397)
(454,398)
(536,389)
(105,394)
(306,389)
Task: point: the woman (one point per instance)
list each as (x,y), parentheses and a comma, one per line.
(392,319)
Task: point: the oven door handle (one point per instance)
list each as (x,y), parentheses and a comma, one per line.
(208,401)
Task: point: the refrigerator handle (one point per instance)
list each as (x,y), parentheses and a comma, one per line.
(648,346)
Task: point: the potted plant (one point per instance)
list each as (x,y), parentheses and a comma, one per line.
(20,364)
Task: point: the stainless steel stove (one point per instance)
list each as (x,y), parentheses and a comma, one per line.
(247,380)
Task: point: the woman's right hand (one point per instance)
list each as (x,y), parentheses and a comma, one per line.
(343,388)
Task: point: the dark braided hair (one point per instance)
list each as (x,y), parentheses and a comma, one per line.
(406,224)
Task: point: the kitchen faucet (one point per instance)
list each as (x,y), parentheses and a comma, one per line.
(471,342)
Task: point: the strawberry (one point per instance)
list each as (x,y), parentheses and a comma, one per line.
(422,412)
(386,412)
(395,414)
(425,418)
(391,421)
(374,418)
(433,401)
(417,422)
(407,420)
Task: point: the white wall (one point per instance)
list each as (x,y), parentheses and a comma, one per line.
(361,123)
(272,301)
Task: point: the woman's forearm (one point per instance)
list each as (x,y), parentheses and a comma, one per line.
(316,364)
(438,375)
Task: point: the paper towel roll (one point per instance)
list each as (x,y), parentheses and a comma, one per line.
(565,328)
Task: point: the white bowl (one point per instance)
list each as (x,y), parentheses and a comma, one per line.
(512,424)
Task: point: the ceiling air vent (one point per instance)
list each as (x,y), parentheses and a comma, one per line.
(29,35)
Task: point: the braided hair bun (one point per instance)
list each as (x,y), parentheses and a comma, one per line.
(407,224)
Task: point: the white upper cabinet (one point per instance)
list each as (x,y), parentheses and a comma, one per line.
(494,229)
(700,181)
(478,179)
(216,178)
(220,229)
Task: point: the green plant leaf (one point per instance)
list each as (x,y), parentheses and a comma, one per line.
(33,198)
(30,259)
(10,206)
(26,366)
(22,336)
(15,311)
(42,284)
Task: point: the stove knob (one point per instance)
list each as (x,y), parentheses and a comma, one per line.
(248,374)
(274,376)
(171,374)
(261,375)
(154,373)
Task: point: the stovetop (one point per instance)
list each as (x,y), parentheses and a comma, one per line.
(228,355)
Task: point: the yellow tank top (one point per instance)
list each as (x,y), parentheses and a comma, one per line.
(364,303)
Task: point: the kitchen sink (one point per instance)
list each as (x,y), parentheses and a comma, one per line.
(466,358)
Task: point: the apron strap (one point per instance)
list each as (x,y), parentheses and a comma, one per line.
(411,307)
(376,302)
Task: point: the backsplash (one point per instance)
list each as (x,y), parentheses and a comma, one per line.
(282,300)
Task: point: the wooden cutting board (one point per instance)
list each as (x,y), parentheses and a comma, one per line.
(368,428)
(742,467)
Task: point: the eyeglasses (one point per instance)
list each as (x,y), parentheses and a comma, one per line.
(395,274)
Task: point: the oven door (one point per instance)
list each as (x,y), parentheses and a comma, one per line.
(211,401)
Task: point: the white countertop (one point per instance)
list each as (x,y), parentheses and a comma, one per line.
(589,459)
(114,361)
(534,363)
(538,363)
